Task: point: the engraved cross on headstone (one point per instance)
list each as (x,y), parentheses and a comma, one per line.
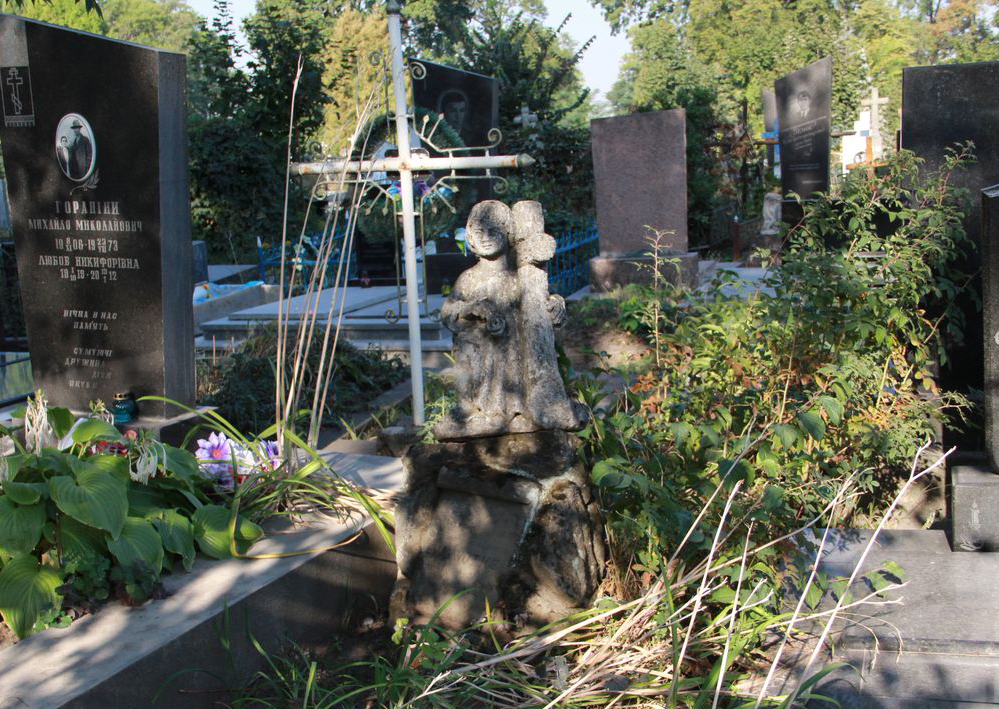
(14,80)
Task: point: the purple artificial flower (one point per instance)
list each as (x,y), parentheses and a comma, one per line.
(215,456)
(270,452)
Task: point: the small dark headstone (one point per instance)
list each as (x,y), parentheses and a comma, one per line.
(803,111)
(199,268)
(100,213)
(469,102)
(445,268)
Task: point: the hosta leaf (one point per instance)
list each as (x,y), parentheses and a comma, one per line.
(20,526)
(61,420)
(182,463)
(176,533)
(25,493)
(91,429)
(138,542)
(27,589)
(115,464)
(78,541)
(94,497)
(211,531)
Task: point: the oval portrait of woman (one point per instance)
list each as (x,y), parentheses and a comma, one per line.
(76,150)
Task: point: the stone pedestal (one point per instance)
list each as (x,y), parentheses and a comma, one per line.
(610,272)
(509,519)
(974,508)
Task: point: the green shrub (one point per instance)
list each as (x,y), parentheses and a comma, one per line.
(242,385)
(792,390)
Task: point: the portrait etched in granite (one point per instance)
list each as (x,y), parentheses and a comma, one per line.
(503,318)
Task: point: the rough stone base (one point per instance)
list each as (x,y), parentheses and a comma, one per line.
(974,508)
(770,242)
(510,520)
(610,272)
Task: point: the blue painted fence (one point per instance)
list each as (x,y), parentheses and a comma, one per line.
(569,270)
(303,256)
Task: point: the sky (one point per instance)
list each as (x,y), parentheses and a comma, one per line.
(599,64)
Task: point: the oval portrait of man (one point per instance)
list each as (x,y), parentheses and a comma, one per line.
(76,151)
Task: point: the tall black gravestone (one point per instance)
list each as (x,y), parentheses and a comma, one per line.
(974,488)
(803,112)
(95,150)
(941,107)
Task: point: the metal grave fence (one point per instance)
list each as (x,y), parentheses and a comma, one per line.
(569,270)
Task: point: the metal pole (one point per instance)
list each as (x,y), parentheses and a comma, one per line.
(415,163)
(394,9)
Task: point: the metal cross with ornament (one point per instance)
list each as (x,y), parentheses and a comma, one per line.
(408,162)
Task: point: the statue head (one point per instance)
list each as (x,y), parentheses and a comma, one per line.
(488,229)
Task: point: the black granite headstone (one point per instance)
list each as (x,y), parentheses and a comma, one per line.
(990,317)
(946,105)
(941,107)
(803,111)
(95,151)
(469,102)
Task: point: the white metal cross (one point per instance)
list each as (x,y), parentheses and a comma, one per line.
(406,164)
(874,104)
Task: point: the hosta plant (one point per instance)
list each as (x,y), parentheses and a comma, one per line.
(86,512)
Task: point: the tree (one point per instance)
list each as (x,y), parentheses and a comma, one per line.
(168,24)
(75,14)
(236,185)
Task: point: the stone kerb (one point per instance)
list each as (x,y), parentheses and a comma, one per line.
(122,657)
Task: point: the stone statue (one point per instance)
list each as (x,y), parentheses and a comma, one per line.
(771,214)
(499,513)
(503,320)
(482,313)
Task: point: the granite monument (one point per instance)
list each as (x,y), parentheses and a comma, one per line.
(804,115)
(100,213)
(640,173)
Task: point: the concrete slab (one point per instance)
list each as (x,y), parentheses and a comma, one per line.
(356,299)
(233,273)
(121,657)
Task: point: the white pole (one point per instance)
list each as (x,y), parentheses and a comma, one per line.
(394,9)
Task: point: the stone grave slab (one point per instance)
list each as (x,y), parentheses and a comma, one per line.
(640,169)
(357,299)
(100,212)
(804,115)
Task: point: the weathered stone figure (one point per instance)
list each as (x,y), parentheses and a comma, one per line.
(503,319)
(482,314)
(502,506)
(771,214)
